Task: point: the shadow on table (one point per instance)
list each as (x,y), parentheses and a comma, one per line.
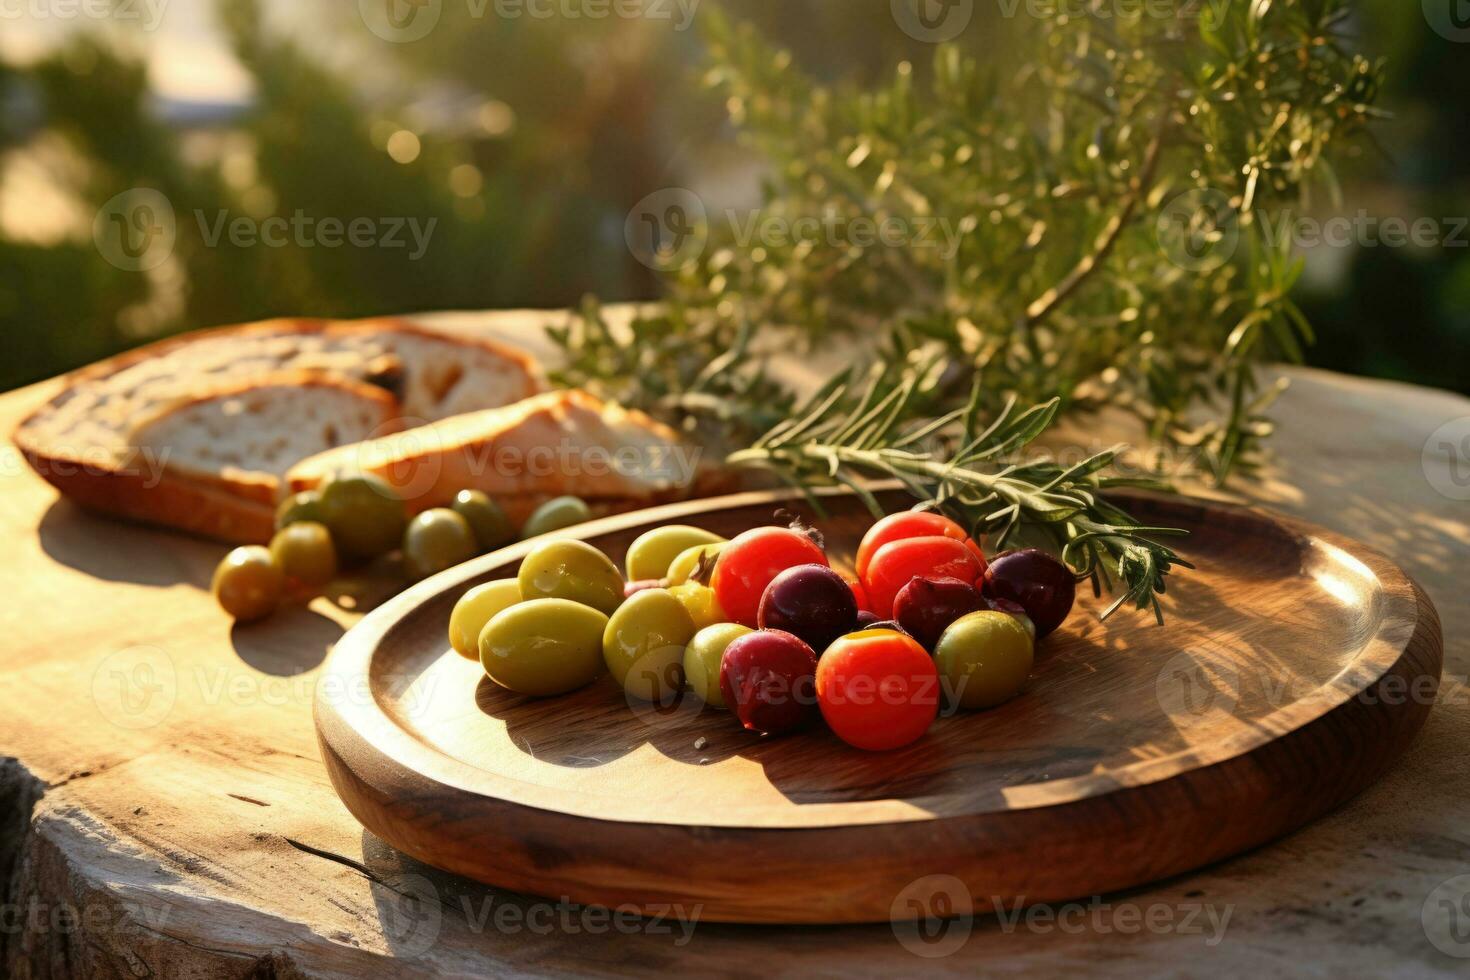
(116,551)
(427,914)
(293,641)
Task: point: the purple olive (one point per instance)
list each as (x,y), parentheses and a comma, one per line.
(768,679)
(1039,583)
(811,602)
(865,620)
(926,606)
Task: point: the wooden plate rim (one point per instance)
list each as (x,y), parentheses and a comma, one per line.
(362,735)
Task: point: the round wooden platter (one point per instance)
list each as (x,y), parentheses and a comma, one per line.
(1294,668)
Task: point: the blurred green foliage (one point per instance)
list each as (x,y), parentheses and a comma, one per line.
(537,136)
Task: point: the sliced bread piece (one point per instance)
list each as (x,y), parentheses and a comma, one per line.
(564,442)
(245,436)
(81,440)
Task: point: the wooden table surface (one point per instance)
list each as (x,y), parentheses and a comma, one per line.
(164,811)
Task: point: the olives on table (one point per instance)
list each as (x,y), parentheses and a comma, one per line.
(484,516)
(644,643)
(651,554)
(435,540)
(768,680)
(1038,582)
(304,553)
(877,690)
(984,659)
(543,647)
(556,514)
(749,562)
(305,506)
(702,660)
(248,584)
(682,568)
(567,569)
(476,608)
(811,602)
(364,514)
(926,606)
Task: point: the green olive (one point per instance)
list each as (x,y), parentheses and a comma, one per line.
(365,516)
(555,515)
(492,528)
(304,506)
(984,659)
(305,554)
(543,647)
(700,603)
(702,660)
(682,568)
(568,569)
(435,540)
(644,645)
(476,608)
(650,555)
(248,583)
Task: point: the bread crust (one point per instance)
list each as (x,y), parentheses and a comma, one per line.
(143,490)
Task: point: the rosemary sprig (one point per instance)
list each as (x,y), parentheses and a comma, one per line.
(972,474)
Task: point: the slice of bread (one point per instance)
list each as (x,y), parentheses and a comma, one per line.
(244,437)
(563,442)
(81,441)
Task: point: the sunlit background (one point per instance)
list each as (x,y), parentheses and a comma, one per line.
(526,139)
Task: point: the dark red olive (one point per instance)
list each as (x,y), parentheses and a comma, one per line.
(1039,583)
(768,679)
(926,606)
(865,620)
(811,602)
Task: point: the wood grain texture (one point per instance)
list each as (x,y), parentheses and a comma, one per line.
(1136,752)
(211,842)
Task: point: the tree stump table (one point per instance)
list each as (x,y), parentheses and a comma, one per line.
(164,810)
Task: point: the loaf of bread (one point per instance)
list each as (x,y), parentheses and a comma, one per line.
(561,442)
(174,433)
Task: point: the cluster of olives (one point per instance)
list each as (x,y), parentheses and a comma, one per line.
(762,625)
(357,519)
